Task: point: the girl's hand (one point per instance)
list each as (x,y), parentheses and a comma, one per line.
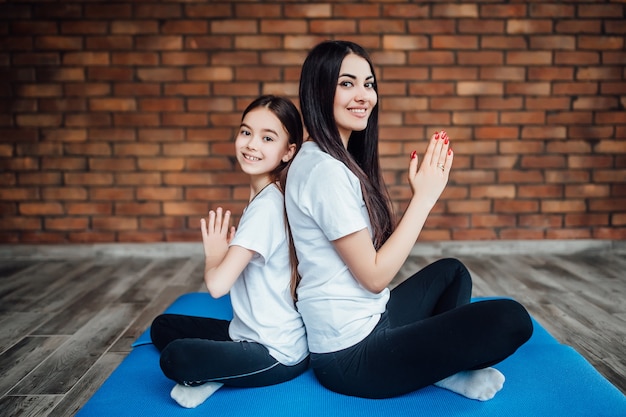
(216,235)
(429,181)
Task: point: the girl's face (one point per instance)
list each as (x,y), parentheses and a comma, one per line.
(262,143)
(355,96)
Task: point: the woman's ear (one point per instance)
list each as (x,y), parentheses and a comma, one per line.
(290,152)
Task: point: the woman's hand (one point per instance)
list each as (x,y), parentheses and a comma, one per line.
(429,181)
(216,235)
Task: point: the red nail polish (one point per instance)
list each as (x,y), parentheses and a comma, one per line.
(437,135)
(445,141)
(450,151)
(413,154)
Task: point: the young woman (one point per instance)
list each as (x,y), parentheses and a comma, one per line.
(265,343)
(365,340)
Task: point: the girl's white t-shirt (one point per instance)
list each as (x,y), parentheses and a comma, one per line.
(324,202)
(263,310)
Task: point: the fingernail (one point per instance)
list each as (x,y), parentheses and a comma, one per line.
(450,151)
(445,141)
(437,135)
(413,154)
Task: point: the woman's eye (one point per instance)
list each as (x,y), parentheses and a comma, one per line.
(268,139)
(369,85)
(346,84)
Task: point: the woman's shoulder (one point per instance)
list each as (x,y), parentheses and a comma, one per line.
(312,158)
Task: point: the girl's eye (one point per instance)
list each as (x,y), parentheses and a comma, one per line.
(244,132)
(268,139)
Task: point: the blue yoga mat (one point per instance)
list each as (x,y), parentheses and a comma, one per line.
(543,378)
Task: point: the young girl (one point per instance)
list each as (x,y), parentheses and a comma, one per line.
(365,340)
(265,343)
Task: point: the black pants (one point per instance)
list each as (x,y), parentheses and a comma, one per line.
(429,332)
(195,350)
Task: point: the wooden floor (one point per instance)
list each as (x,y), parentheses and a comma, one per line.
(66,322)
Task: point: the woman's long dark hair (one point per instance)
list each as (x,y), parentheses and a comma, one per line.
(289,117)
(318,83)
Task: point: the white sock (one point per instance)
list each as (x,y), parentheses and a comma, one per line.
(191,397)
(481,384)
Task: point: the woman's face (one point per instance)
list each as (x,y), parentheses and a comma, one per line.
(355,96)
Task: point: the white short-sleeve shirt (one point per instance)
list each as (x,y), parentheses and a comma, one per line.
(324,202)
(263,310)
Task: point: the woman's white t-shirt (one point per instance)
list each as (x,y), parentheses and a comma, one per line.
(324,202)
(263,310)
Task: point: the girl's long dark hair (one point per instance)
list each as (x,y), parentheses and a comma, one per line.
(289,117)
(318,83)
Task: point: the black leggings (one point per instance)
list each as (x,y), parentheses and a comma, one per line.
(430,331)
(196,350)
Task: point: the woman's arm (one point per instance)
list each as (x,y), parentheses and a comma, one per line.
(223,264)
(375,269)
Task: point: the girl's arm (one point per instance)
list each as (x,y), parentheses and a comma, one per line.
(223,264)
(375,269)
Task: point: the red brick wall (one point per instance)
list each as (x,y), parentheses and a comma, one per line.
(117,117)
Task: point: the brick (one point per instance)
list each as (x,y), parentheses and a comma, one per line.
(612,233)
(481,26)
(184,26)
(138,179)
(158,43)
(181,58)
(112,164)
(432,26)
(561,206)
(89,209)
(528,88)
(136,149)
(511,234)
(136,119)
(515,206)
(611,146)
(58,43)
(113,104)
(88,178)
(571,88)
(328,26)
(184,119)
(578,26)
(528,58)
(160,193)
(540,191)
(316,10)
(405,73)
(454,42)
(161,223)
(87,89)
(20,223)
(66,224)
(258,73)
(568,234)
(576,58)
(475,118)
(114,42)
(587,190)
(210,74)
(480,58)
(37,59)
(161,104)
(541,220)
(569,147)
(545,132)
(39,178)
(40,209)
(559,11)
(161,164)
(209,10)
(112,134)
(521,117)
(64,193)
(607,204)
(185,208)
(595,103)
(88,120)
(83,27)
(473,234)
(386,26)
(134,27)
(499,103)
(62,105)
(86,58)
(111,193)
(465,88)
(569,176)
(598,73)
(160,74)
(528,26)
(114,223)
(506,11)
(91,237)
(137,208)
(110,74)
